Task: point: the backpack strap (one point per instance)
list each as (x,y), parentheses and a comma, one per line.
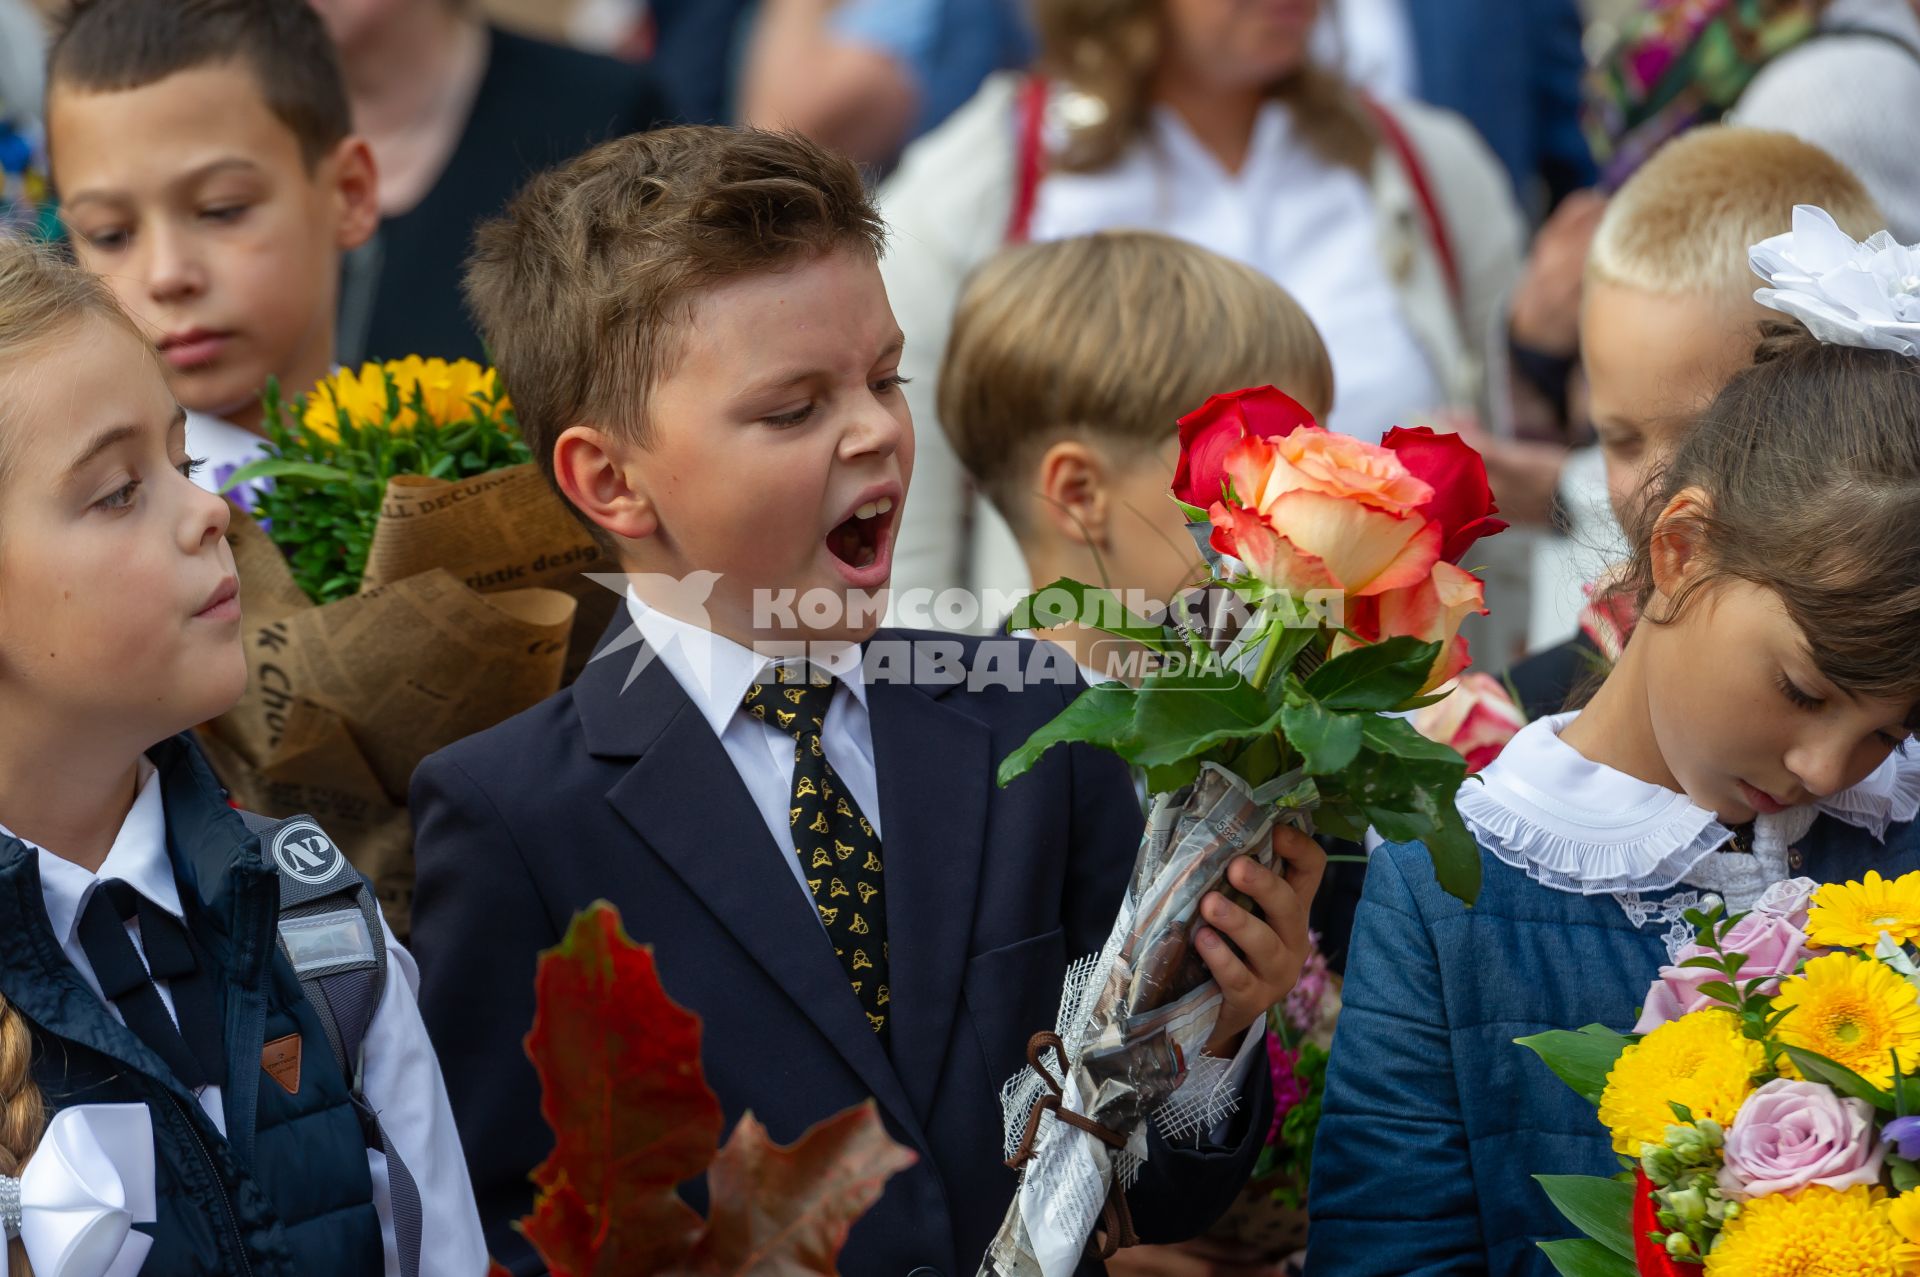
(1029,155)
(330,933)
(1395,136)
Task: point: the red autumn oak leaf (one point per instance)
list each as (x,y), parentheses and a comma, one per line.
(785,1212)
(632,1117)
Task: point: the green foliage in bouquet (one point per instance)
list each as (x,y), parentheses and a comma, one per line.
(332,452)
(1300,709)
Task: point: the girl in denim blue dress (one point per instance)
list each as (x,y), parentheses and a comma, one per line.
(1755,729)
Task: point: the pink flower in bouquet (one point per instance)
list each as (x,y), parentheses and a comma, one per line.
(1211,430)
(1462,501)
(1789,1135)
(1772,943)
(1289,1088)
(1302,1007)
(1477,719)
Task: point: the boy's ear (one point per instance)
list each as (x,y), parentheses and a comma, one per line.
(1073,482)
(595,472)
(356,192)
(1677,545)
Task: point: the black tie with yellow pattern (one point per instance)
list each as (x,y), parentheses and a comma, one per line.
(836,844)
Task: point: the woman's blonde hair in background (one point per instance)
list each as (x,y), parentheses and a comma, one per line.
(1684,222)
(1111,50)
(1114,337)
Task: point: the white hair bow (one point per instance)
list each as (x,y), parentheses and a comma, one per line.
(1846,293)
(89,1182)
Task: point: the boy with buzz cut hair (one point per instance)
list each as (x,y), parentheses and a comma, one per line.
(204,156)
(702,355)
(1068,427)
(1667,317)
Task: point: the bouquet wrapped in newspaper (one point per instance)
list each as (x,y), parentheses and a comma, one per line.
(409,579)
(1333,598)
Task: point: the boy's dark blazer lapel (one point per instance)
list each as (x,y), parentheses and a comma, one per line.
(686,802)
(935,769)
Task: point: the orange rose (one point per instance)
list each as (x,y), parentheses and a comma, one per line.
(1430,610)
(1326,520)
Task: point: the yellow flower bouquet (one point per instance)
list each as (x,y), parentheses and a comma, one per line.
(409,578)
(1765,1106)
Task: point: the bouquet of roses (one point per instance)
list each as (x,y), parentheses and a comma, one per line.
(1764,1105)
(410,579)
(1333,600)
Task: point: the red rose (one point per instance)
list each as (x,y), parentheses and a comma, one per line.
(1462,502)
(1211,429)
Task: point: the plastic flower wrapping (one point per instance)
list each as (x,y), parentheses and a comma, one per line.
(1329,606)
(409,578)
(1764,1107)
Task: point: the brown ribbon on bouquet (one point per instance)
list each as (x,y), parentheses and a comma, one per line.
(1116,1217)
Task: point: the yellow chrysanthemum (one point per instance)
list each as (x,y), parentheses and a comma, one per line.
(1855,913)
(1700,1060)
(1903,1212)
(1817,1232)
(1854,1011)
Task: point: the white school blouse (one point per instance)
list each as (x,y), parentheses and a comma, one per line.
(1305,222)
(402,1080)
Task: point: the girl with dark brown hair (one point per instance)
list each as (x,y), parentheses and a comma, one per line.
(1753,741)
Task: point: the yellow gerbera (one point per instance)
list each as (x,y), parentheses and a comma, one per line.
(451,391)
(1855,913)
(1700,1060)
(1816,1232)
(363,395)
(1854,1011)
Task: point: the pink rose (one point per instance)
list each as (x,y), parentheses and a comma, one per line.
(1773,946)
(1792,1134)
(1477,719)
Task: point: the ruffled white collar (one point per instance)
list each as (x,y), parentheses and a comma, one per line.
(1582,827)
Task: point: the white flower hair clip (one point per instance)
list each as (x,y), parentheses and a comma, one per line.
(1846,293)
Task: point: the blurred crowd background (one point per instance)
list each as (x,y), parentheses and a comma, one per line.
(1423,175)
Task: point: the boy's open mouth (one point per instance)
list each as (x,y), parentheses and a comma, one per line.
(857,539)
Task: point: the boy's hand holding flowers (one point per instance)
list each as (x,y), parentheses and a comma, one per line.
(1272,945)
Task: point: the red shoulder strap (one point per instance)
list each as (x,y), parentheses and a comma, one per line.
(1396,137)
(1030,155)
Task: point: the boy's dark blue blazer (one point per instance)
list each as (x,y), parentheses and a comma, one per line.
(628,795)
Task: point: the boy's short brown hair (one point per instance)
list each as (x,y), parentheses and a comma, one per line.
(1684,222)
(579,287)
(1114,336)
(104,46)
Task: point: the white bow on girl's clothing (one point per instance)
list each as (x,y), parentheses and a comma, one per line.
(89,1182)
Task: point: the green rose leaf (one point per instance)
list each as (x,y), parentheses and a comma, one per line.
(1069,601)
(1378,676)
(1181,715)
(1100,716)
(1818,1068)
(1326,742)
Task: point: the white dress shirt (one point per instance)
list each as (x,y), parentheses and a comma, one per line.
(402,1080)
(716,674)
(1302,221)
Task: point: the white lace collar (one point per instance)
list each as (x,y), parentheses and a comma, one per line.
(1582,827)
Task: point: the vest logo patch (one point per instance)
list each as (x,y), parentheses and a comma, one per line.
(281,1059)
(303,850)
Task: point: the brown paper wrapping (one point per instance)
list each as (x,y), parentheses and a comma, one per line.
(472,608)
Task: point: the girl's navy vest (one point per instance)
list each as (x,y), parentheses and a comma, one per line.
(287,1191)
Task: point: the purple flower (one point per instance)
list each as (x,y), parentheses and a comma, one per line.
(1904,1134)
(1289,1089)
(1302,1007)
